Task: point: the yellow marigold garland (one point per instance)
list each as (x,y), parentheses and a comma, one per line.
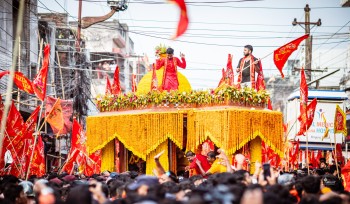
(164,159)
(255,153)
(232,128)
(140,133)
(108,157)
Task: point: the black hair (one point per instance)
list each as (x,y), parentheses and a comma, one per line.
(170,51)
(311,184)
(189,154)
(249,47)
(211,154)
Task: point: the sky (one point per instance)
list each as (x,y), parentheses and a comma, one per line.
(217,29)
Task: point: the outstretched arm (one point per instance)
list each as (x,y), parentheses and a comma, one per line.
(181,63)
(200,167)
(160,168)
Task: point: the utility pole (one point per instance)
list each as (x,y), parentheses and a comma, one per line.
(308,42)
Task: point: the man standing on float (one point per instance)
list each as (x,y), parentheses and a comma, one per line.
(170,63)
(246,68)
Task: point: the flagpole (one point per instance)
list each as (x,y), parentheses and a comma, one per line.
(59,67)
(19,69)
(14,150)
(257,61)
(335,155)
(307,151)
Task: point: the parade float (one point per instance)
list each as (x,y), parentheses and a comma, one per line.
(132,128)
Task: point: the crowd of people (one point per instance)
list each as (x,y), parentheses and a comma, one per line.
(212,180)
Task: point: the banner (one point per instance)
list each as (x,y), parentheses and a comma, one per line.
(23,83)
(39,83)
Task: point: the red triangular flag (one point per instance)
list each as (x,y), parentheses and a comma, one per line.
(310,113)
(37,166)
(281,55)
(108,86)
(183,21)
(116,89)
(303,103)
(229,70)
(39,83)
(29,126)
(223,77)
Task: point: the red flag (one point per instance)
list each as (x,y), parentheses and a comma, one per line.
(116,89)
(303,103)
(29,126)
(23,83)
(37,166)
(310,113)
(154,82)
(134,83)
(69,164)
(340,121)
(223,77)
(183,21)
(39,83)
(67,109)
(93,163)
(4,73)
(293,154)
(281,55)
(108,86)
(78,137)
(229,70)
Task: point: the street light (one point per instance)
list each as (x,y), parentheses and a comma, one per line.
(115,5)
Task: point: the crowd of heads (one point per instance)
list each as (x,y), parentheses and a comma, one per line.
(300,186)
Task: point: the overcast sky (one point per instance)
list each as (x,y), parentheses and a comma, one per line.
(217,29)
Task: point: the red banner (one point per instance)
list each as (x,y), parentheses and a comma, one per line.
(23,83)
(108,86)
(303,103)
(223,78)
(116,88)
(37,166)
(310,113)
(229,70)
(183,21)
(281,55)
(39,83)
(29,126)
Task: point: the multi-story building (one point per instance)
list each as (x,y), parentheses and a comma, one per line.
(28,49)
(108,44)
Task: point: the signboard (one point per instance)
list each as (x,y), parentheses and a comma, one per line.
(323,120)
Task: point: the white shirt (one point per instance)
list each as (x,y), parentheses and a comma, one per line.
(8,157)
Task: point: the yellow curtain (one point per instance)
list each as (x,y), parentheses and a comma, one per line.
(164,159)
(108,157)
(140,133)
(232,128)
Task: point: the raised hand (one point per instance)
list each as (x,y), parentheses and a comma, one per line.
(158,155)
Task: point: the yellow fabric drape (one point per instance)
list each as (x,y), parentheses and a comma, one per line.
(140,133)
(164,159)
(108,157)
(255,153)
(232,128)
